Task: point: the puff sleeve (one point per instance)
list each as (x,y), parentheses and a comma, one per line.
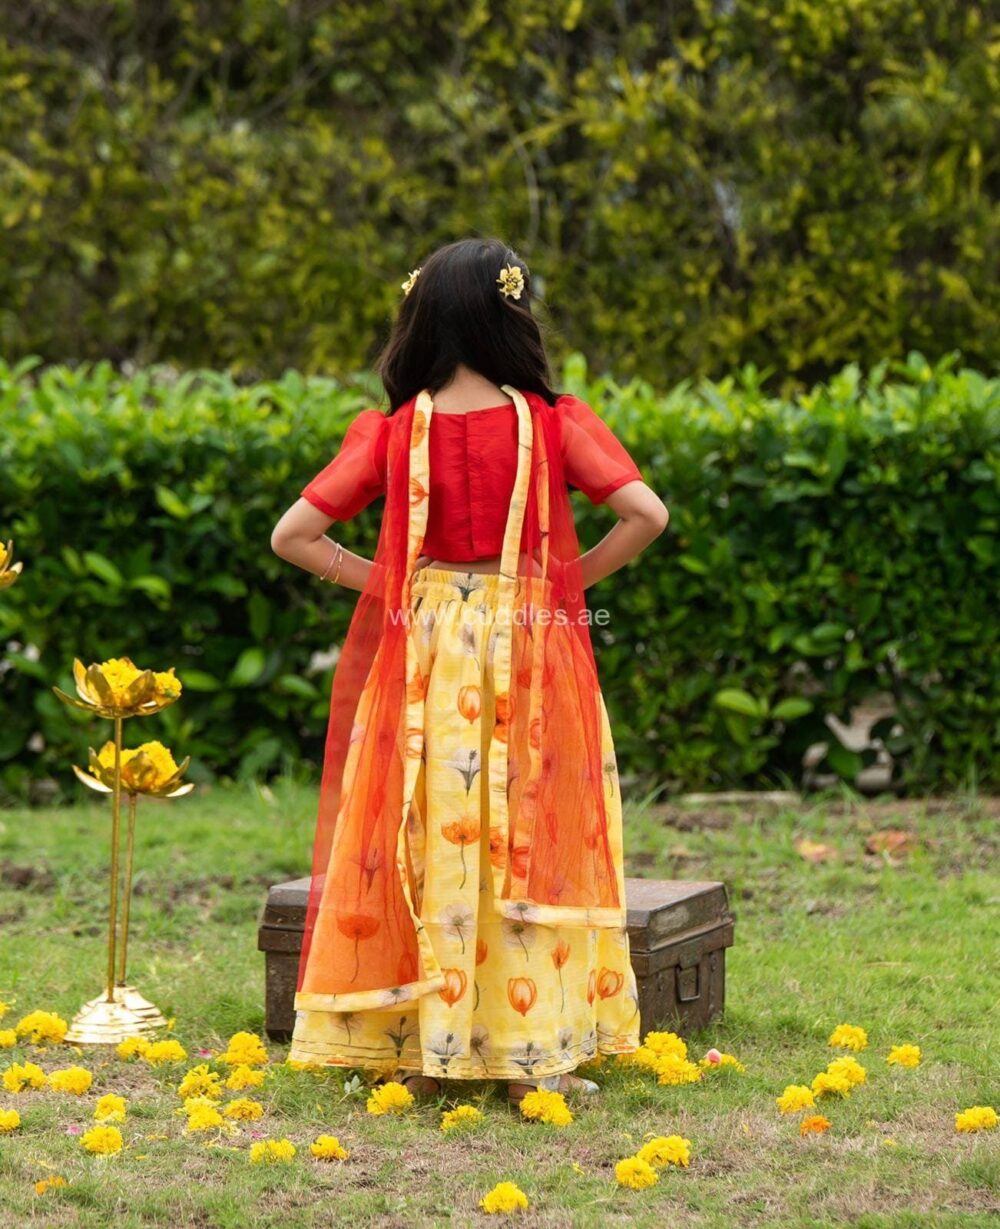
(594,460)
(356,475)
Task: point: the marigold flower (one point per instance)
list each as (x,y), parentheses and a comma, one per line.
(666,1043)
(814,1124)
(19,1076)
(849,1068)
(202,1115)
(39,1026)
(200,1082)
(8,1038)
(132,1046)
(102,1140)
(243,1076)
(825,1083)
(390,1098)
(168,1051)
(547,1106)
(110,1108)
(795,1098)
(643,1056)
(849,1036)
(245,1050)
(635,1173)
(45,1184)
(272,1150)
(71,1079)
(505,1197)
(672,1069)
(328,1148)
(460,1116)
(978,1118)
(666,1150)
(904,1055)
(245,1109)
(10,1120)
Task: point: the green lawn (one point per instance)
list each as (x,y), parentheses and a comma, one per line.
(907,950)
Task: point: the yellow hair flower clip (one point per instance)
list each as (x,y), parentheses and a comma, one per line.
(409,283)
(511,281)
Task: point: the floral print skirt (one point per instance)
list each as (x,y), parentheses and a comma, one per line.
(520,998)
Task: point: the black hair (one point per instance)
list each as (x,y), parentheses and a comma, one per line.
(456,312)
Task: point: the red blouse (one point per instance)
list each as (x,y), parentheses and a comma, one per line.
(473,460)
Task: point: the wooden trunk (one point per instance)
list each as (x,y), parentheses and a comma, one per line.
(678,934)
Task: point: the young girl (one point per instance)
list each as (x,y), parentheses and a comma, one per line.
(466,916)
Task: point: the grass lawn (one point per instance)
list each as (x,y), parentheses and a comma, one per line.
(906,949)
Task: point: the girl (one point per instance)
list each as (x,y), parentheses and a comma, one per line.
(466,915)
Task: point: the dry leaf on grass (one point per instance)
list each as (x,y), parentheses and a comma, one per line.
(815,851)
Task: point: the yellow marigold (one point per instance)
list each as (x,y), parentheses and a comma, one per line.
(849,1068)
(826,1083)
(795,1098)
(10,1120)
(724,1060)
(666,1150)
(978,1118)
(390,1098)
(636,1173)
(167,683)
(905,1056)
(168,1051)
(71,1079)
(460,1116)
(272,1150)
(40,1026)
(132,1046)
(202,1115)
(243,1076)
(110,1108)
(244,1108)
(4,1007)
(244,1050)
(8,1038)
(200,1082)
(505,1197)
(666,1043)
(45,1184)
(545,1106)
(103,1140)
(814,1124)
(644,1057)
(595,1062)
(18,1076)
(849,1036)
(328,1148)
(673,1069)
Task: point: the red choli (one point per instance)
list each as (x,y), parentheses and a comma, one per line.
(473,460)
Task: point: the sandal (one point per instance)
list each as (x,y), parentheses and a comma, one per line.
(555,1083)
(422,1085)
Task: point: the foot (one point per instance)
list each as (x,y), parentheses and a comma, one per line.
(566,1083)
(422,1085)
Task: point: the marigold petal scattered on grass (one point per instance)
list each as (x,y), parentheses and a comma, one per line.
(389,1098)
(673,1069)
(272,1150)
(75,1080)
(460,1116)
(328,1148)
(245,1050)
(543,1105)
(45,1184)
(102,1140)
(978,1118)
(904,1055)
(814,1124)
(827,1084)
(849,1068)
(19,1076)
(132,1047)
(636,1173)
(200,1082)
(202,1114)
(8,1038)
(168,1051)
(795,1098)
(666,1043)
(666,1150)
(505,1197)
(110,1108)
(244,1109)
(10,1120)
(849,1037)
(242,1077)
(39,1026)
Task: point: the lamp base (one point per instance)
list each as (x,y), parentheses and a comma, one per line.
(104,1021)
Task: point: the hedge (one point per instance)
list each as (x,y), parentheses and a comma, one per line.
(797,183)
(821,550)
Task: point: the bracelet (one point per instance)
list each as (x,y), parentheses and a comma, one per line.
(338,554)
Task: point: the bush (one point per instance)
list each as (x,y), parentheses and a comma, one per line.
(822,549)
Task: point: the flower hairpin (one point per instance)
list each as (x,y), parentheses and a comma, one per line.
(410,281)
(511,281)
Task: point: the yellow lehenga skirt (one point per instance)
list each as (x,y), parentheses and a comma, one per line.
(520,999)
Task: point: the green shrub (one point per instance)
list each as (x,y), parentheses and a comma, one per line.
(820,550)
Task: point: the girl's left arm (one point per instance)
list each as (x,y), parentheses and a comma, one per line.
(300,537)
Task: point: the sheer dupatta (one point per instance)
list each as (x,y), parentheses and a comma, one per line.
(547,783)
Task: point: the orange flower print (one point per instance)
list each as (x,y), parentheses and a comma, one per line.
(416,688)
(414,743)
(535,732)
(609,983)
(470,701)
(504,708)
(496,847)
(455,983)
(357,926)
(462,832)
(560,954)
(418,492)
(522,993)
(482,950)
(417,428)
(519,861)
(591,986)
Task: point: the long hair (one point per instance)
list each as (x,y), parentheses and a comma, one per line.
(456,313)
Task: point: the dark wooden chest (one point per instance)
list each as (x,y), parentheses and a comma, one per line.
(678,934)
